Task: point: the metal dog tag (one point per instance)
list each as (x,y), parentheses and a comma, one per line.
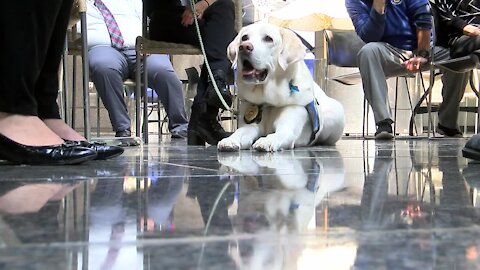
(253,114)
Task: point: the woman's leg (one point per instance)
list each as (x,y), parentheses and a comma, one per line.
(46,89)
(28,27)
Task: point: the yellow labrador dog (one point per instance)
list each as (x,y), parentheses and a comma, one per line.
(281,105)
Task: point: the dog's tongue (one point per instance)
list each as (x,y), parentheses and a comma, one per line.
(249,72)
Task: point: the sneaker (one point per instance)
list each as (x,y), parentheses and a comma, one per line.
(449,132)
(384,132)
(123,133)
(179,134)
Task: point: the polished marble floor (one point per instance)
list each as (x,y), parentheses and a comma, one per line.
(406,204)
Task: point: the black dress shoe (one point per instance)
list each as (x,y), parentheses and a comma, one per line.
(104,151)
(62,154)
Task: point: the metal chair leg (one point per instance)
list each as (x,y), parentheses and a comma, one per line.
(138,92)
(85,67)
(145,101)
(429,103)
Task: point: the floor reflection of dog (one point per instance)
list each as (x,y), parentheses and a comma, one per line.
(278,196)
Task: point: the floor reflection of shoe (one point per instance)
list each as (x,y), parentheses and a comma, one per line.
(62,154)
(123,133)
(470,173)
(449,132)
(104,151)
(179,134)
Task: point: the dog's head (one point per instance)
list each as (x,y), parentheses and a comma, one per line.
(260,48)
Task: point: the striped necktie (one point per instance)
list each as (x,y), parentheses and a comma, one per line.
(112,26)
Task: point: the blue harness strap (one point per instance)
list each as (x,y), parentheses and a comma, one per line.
(313,115)
(311,109)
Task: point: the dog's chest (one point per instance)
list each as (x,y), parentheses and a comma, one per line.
(277,95)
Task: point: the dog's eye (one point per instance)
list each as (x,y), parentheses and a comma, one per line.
(268,39)
(244,37)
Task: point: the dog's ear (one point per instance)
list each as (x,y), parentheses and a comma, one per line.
(232,49)
(293,49)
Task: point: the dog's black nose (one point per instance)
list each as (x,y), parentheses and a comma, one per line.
(246,47)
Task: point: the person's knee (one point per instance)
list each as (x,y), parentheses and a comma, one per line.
(104,65)
(159,74)
(369,51)
(104,69)
(227,4)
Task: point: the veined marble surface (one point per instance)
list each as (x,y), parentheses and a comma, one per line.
(405,204)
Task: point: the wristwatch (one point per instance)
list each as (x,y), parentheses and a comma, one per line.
(424,53)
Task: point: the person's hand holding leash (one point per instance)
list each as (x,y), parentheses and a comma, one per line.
(187,16)
(415,63)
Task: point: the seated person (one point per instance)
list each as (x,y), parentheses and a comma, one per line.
(459,20)
(172,22)
(398,41)
(112,61)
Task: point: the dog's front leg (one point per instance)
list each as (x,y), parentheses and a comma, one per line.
(242,138)
(288,126)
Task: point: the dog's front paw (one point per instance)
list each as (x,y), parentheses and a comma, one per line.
(228,145)
(267,144)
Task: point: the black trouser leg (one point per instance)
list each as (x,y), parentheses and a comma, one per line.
(26,28)
(46,90)
(217,28)
(464,46)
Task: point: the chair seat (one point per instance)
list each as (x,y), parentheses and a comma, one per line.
(146,46)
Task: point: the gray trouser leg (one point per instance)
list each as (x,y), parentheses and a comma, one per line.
(452,93)
(108,70)
(378,61)
(163,79)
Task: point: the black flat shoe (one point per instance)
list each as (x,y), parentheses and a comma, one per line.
(62,154)
(104,151)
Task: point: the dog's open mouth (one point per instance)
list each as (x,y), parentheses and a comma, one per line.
(250,73)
